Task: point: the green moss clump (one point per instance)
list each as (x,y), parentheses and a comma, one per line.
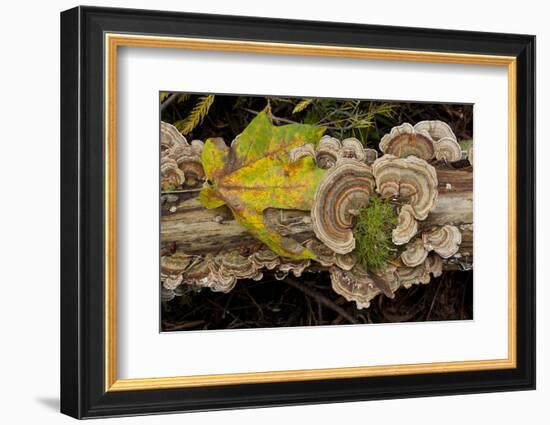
(372,232)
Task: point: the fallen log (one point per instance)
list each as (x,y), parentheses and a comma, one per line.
(190,227)
(207,248)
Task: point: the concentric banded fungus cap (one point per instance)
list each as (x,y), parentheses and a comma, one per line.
(415,253)
(323,254)
(172,268)
(188,158)
(434,265)
(408,276)
(447,149)
(352,148)
(444,240)
(302,152)
(404,140)
(198,272)
(407,226)
(167,294)
(330,149)
(170,175)
(344,189)
(359,286)
(328,258)
(175,263)
(226,269)
(170,137)
(171,281)
(436,129)
(297,267)
(264,257)
(386,280)
(345,261)
(412,180)
(327,150)
(371,155)
(445,143)
(354,285)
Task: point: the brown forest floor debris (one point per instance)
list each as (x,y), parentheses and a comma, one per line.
(311,301)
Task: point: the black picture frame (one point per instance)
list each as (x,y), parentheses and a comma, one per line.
(83,392)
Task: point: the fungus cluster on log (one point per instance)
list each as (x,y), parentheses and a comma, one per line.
(180,161)
(431,200)
(425,140)
(344,190)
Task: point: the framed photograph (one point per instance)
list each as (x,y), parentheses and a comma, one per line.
(261,212)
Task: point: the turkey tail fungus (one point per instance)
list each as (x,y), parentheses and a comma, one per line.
(312,191)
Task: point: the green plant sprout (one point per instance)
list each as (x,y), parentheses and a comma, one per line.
(372,232)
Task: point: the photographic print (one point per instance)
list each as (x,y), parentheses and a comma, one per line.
(328,208)
(287,211)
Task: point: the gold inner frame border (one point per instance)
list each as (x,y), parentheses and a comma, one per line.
(111,43)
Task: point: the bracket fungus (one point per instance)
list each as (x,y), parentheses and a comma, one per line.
(352,148)
(410,179)
(344,189)
(362,287)
(167,294)
(326,153)
(345,261)
(371,155)
(170,175)
(404,140)
(302,152)
(408,276)
(448,150)
(328,258)
(354,285)
(218,273)
(347,181)
(415,253)
(187,157)
(228,268)
(359,286)
(434,265)
(425,140)
(172,268)
(444,240)
(297,267)
(265,257)
(329,150)
(324,256)
(436,129)
(445,143)
(170,137)
(223,271)
(407,226)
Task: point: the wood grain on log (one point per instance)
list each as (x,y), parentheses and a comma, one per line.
(198,230)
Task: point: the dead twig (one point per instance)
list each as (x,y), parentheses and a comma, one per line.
(433,300)
(320,298)
(168,101)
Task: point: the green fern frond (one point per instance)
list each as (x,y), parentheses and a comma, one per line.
(196,116)
(302,105)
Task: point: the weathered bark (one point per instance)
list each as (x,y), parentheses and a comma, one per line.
(195,229)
